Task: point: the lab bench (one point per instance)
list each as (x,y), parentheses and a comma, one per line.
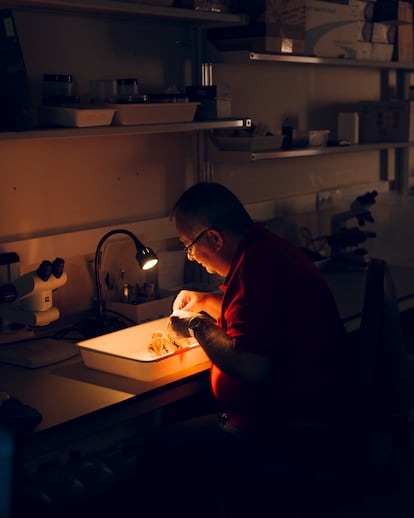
(74,399)
(85,411)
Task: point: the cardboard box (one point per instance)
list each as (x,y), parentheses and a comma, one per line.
(260,37)
(260,11)
(147,311)
(365,31)
(311,27)
(393,11)
(404,49)
(386,121)
(363,50)
(383,33)
(366,10)
(332,30)
(382,51)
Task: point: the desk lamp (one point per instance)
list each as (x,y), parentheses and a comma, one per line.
(146,259)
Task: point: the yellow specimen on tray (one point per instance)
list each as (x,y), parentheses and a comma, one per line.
(164,343)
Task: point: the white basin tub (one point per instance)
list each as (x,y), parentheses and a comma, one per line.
(126,353)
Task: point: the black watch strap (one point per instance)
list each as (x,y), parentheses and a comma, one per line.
(194,324)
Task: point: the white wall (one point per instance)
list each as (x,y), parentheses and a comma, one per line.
(58,196)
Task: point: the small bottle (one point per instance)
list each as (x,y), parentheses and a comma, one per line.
(58,89)
(287,132)
(121,294)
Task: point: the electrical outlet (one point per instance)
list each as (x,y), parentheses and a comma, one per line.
(327,199)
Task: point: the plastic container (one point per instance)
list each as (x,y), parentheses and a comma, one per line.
(57,88)
(102,91)
(152,113)
(318,138)
(348,127)
(75,117)
(126,353)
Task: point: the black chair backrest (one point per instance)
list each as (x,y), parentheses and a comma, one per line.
(384,386)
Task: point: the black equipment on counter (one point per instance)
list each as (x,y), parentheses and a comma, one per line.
(16,108)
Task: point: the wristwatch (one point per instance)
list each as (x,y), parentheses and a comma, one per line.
(194,324)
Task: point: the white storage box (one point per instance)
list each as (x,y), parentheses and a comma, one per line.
(76,117)
(126,353)
(153,113)
(140,313)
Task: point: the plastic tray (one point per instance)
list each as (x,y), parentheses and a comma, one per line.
(75,117)
(152,113)
(126,353)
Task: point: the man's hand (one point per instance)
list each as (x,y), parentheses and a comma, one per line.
(189,301)
(179,320)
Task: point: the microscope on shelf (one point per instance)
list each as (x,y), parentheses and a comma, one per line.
(344,241)
(28,299)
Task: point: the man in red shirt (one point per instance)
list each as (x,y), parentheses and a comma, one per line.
(276,343)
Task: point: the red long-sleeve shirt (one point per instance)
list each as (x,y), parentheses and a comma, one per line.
(276,303)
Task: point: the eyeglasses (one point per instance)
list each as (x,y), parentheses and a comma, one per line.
(188,248)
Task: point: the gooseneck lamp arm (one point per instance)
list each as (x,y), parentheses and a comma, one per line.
(145,257)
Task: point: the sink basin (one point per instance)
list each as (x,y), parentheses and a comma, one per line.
(126,353)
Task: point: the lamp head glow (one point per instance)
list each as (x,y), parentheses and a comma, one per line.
(146,258)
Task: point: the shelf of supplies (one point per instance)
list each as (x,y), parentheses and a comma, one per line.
(223,156)
(112,131)
(245,56)
(113,7)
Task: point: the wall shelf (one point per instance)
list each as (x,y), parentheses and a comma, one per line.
(113,131)
(402,72)
(113,7)
(224,156)
(245,56)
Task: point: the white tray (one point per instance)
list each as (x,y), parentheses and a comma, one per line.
(126,353)
(152,113)
(76,117)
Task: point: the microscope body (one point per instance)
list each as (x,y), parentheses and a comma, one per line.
(29,300)
(344,240)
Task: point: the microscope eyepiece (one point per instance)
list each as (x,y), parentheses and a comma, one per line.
(57,267)
(45,270)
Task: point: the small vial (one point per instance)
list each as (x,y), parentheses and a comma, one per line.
(127,88)
(57,88)
(287,132)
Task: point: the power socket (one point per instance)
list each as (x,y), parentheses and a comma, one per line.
(327,199)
